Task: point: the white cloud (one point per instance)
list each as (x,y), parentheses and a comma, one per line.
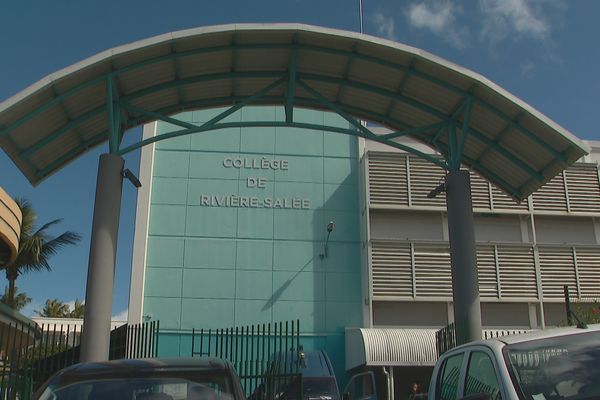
(527,68)
(504,19)
(385,25)
(122,316)
(440,18)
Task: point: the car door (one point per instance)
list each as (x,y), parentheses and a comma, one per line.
(361,387)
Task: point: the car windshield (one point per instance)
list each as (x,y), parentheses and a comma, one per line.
(563,367)
(156,385)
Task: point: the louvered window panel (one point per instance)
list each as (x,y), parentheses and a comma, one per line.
(557,268)
(517,272)
(583,188)
(486,267)
(424,177)
(502,201)
(392,273)
(552,196)
(388,183)
(432,270)
(588,265)
(480,192)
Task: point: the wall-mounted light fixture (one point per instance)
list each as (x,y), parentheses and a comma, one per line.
(330,227)
(131,178)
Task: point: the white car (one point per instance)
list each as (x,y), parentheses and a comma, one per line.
(561,363)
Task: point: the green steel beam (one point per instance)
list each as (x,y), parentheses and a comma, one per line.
(366,132)
(464,130)
(367,58)
(268,124)
(413,131)
(225,125)
(101,137)
(203,78)
(351,57)
(291,89)
(156,115)
(436,113)
(454,158)
(56,134)
(46,106)
(400,88)
(498,137)
(113,133)
(328,104)
(245,102)
(234,59)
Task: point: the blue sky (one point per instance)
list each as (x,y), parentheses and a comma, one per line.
(543,51)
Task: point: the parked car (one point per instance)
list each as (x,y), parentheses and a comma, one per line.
(145,379)
(561,363)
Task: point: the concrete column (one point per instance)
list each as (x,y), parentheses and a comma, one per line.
(103,252)
(465,283)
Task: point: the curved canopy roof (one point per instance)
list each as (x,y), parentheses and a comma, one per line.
(469,119)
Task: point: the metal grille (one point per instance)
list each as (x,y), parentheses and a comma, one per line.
(266,356)
(486,267)
(588,265)
(424,177)
(583,188)
(502,201)
(388,183)
(480,192)
(517,272)
(552,196)
(392,269)
(557,268)
(432,270)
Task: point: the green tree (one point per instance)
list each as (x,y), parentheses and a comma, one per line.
(78,309)
(21,299)
(35,247)
(54,308)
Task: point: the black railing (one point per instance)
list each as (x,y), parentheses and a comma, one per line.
(265,356)
(32,353)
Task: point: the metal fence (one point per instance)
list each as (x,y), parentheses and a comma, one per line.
(32,353)
(265,356)
(445,338)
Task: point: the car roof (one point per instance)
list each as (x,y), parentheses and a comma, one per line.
(133,366)
(502,341)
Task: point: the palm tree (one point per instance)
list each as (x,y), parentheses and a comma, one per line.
(54,308)
(35,247)
(21,299)
(78,309)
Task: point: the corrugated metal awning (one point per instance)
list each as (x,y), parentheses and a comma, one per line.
(390,347)
(408,90)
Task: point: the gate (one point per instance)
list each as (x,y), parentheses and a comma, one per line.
(266,357)
(32,353)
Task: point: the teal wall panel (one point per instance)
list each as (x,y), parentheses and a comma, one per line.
(209,253)
(167,310)
(173,164)
(163,282)
(200,313)
(169,190)
(238,225)
(227,139)
(164,252)
(167,220)
(209,283)
(254,254)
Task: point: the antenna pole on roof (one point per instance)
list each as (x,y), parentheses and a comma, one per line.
(360,14)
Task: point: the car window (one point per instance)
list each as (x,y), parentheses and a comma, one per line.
(481,376)
(448,379)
